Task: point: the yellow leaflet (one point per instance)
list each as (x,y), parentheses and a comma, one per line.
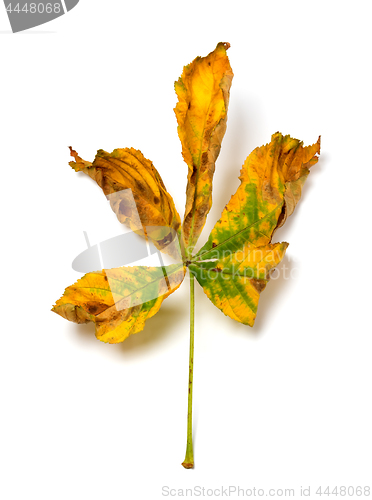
(271,181)
(119,301)
(136,192)
(203,95)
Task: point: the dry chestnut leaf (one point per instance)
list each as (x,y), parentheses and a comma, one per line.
(234,265)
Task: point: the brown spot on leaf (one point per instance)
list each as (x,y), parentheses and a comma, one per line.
(208,133)
(259,285)
(166,240)
(202,211)
(95,307)
(204,159)
(140,187)
(156,200)
(282,216)
(194,169)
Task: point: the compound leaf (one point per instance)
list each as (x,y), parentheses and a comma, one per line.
(119,301)
(203,95)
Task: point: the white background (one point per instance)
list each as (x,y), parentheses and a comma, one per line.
(282,405)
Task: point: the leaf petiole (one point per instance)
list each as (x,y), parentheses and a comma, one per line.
(188,463)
